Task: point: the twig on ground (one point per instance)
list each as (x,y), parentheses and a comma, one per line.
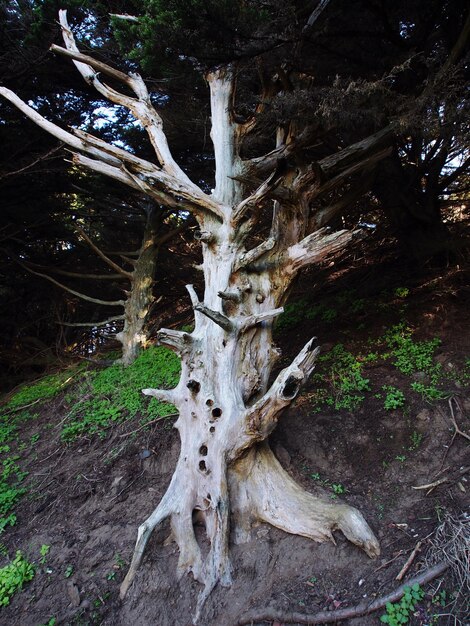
(127,486)
(271,615)
(389,562)
(436,483)
(20,408)
(441,481)
(457,430)
(409,561)
(157,419)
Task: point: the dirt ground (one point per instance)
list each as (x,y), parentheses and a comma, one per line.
(89,497)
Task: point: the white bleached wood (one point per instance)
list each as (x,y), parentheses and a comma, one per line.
(226,404)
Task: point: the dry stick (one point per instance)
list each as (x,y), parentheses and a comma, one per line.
(457,429)
(409,561)
(127,486)
(389,562)
(157,419)
(266,615)
(436,483)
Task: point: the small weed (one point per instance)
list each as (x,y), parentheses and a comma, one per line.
(400,612)
(416,439)
(401,458)
(394,398)
(114,394)
(120,562)
(412,356)
(44,551)
(329,315)
(401,292)
(44,389)
(344,377)
(429,393)
(111,576)
(13,576)
(338,488)
(68,571)
(34,438)
(10,490)
(51,622)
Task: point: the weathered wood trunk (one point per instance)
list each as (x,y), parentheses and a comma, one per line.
(133,336)
(227,403)
(226,470)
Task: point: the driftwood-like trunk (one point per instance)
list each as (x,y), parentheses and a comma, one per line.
(226,470)
(227,403)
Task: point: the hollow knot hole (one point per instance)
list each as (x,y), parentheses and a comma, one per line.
(193,385)
(291,387)
(216,413)
(209,402)
(202,466)
(203,450)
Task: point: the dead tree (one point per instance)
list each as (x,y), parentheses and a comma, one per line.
(227,408)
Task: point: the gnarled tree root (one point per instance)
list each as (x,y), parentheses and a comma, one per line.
(324,617)
(258,490)
(261,490)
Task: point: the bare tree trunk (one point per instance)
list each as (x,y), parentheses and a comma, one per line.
(133,336)
(227,408)
(226,470)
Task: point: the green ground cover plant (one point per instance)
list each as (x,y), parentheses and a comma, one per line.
(13,576)
(43,389)
(342,384)
(114,394)
(400,612)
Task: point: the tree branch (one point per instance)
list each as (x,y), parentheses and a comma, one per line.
(72,291)
(103,256)
(216,317)
(254,254)
(262,416)
(263,191)
(175,339)
(164,395)
(244,323)
(317,246)
(116,318)
(364,608)
(141,107)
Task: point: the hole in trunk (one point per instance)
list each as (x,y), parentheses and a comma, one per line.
(291,387)
(209,402)
(216,412)
(203,450)
(193,385)
(212,429)
(203,467)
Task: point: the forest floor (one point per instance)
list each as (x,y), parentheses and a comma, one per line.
(377,420)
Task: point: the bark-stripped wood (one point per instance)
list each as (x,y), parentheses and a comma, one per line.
(226,470)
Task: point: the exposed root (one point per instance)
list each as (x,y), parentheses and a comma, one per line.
(144,532)
(263,490)
(324,617)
